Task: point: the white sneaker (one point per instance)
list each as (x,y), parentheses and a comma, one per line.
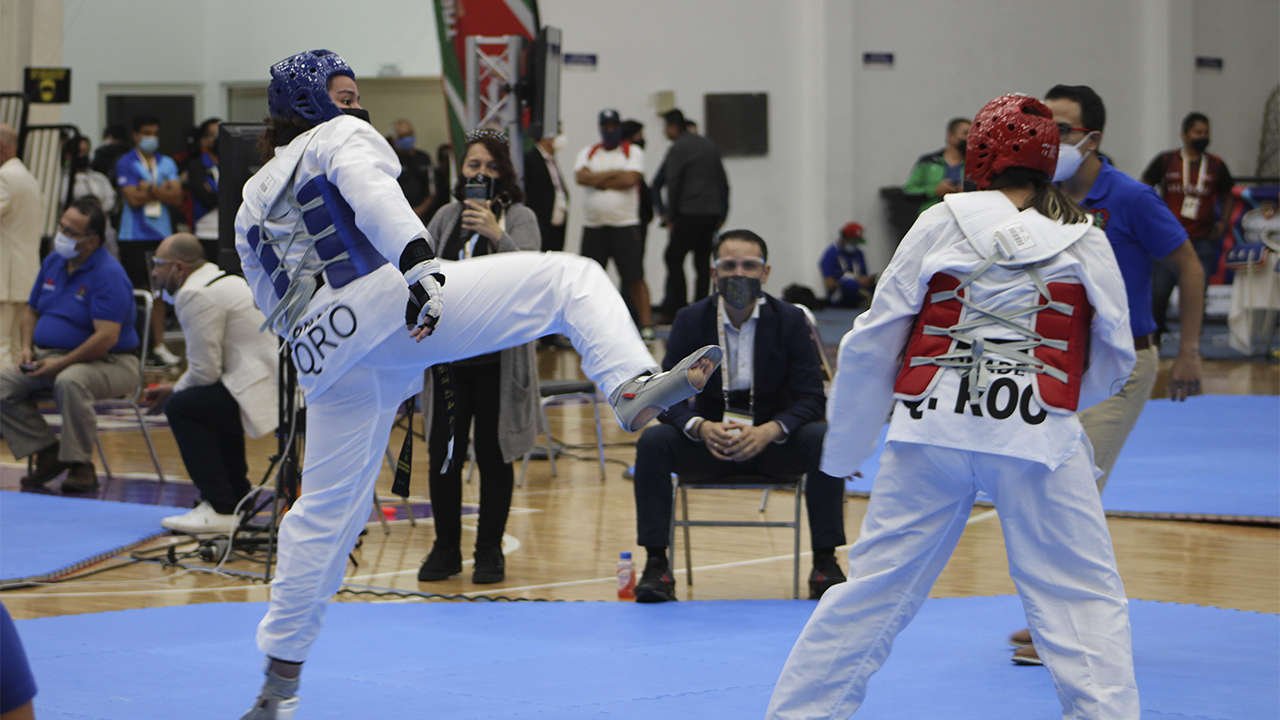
(204,520)
(165,355)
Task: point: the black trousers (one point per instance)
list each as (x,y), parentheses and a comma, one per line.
(664,449)
(206,425)
(690,233)
(476,395)
(1163,281)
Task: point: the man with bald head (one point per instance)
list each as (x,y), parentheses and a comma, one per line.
(20,206)
(229,388)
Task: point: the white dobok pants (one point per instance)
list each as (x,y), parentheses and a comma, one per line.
(491,303)
(1060,559)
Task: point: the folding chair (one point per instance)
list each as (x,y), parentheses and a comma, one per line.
(680,488)
(552,390)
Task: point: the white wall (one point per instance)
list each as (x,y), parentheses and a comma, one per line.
(837,131)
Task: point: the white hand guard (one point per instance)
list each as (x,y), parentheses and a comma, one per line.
(426,301)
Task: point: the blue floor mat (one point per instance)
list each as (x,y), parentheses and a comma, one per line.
(43,536)
(574,661)
(1214,457)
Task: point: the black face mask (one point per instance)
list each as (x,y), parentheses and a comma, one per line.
(611,138)
(357,112)
(738,291)
(1200,144)
(962,146)
(638,143)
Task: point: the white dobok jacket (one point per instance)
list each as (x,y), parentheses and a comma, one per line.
(220,324)
(998,405)
(327,212)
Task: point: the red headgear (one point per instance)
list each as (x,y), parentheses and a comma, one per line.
(1011,131)
(851,230)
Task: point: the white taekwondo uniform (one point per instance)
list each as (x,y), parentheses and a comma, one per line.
(333,191)
(996,426)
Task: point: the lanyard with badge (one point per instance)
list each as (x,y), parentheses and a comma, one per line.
(748,418)
(1191,203)
(154,208)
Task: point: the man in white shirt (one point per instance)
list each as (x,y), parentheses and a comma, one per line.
(611,172)
(229,388)
(20,207)
(765,420)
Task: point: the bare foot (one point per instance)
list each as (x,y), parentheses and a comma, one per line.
(700,372)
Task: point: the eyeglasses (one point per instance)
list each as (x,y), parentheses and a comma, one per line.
(747,265)
(1065,129)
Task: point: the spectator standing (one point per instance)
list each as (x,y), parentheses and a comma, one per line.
(415,169)
(78,340)
(20,207)
(202,183)
(115,142)
(92,183)
(499,390)
(844,270)
(545,191)
(611,171)
(940,173)
(761,414)
(697,205)
(228,389)
(1194,184)
(148,180)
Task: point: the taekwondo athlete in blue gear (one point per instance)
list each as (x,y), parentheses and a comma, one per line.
(333,252)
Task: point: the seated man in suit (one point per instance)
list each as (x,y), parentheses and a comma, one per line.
(773,425)
(229,387)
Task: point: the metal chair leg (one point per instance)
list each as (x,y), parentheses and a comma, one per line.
(671,538)
(103,455)
(595,408)
(551,449)
(795,574)
(688,549)
(377,506)
(146,435)
(764,501)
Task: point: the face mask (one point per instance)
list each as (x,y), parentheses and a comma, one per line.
(164,293)
(962,146)
(149,144)
(611,138)
(560,142)
(1070,158)
(64,246)
(1200,144)
(357,113)
(849,245)
(638,143)
(738,291)
(405,143)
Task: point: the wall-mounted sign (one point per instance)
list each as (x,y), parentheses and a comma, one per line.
(48,85)
(878,59)
(579,61)
(1209,63)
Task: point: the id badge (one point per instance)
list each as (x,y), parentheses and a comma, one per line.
(1190,207)
(153,209)
(738,417)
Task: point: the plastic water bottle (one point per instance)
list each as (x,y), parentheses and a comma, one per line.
(626,578)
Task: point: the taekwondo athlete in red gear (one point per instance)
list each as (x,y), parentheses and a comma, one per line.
(1001,313)
(334,254)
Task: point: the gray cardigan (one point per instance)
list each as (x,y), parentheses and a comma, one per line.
(518,412)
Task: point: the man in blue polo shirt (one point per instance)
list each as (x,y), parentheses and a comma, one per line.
(78,340)
(1142,230)
(149,183)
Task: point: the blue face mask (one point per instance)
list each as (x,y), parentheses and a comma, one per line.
(149,144)
(405,143)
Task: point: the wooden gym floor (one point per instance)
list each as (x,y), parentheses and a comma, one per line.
(565,533)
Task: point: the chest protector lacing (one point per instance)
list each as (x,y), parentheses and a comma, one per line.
(1053,336)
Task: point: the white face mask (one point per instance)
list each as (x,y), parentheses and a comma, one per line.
(64,246)
(1070,157)
(163,293)
(560,142)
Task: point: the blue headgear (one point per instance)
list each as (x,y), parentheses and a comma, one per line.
(300,86)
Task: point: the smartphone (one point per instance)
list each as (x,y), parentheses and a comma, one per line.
(477,192)
(28,367)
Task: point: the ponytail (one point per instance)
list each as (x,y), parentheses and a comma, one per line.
(1046,198)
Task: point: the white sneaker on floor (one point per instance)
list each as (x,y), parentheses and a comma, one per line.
(204,520)
(166,356)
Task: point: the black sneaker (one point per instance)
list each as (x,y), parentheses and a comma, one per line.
(826,572)
(440,564)
(47,467)
(490,566)
(656,583)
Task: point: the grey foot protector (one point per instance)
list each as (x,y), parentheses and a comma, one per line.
(277,701)
(642,398)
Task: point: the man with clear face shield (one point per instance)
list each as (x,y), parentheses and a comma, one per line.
(346,274)
(761,415)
